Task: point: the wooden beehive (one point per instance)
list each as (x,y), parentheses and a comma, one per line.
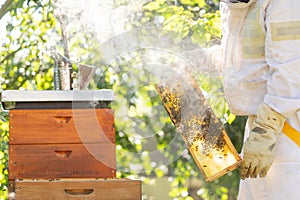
(201,130)
(62,146)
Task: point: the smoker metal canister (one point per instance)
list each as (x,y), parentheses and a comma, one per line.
(62,75)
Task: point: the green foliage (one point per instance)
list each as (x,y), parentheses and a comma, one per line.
(23,61)
(9,5)
(26,63)
(3,160)
(188,19)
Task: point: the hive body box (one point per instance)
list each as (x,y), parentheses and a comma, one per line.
(63,143)
(47,144)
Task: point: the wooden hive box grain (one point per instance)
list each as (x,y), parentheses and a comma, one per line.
(101,189)
(62,143)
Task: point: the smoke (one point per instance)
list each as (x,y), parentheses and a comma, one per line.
(104,18)
(144,49)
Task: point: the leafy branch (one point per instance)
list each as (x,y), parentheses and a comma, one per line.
(10,5)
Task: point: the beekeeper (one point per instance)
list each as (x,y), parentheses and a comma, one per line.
(260,54)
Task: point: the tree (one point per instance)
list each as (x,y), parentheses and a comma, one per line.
(147,143)
(9,5)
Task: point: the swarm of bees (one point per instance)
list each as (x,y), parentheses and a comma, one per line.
(192,116)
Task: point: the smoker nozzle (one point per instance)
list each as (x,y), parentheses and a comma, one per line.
(85,74)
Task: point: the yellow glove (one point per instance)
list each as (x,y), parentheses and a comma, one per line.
(259,146)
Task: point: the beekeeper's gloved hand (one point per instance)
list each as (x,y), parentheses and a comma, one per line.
(259,146)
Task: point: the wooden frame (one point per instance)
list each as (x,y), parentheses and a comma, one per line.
(218,162)
(199,127)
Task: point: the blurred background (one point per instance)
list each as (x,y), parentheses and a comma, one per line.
(31,32)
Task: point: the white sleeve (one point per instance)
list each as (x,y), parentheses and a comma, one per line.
(206,60)
(283,57)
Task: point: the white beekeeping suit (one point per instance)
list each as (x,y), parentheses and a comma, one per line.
(260,53)
(262,67)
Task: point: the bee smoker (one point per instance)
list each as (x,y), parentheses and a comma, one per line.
(66,79)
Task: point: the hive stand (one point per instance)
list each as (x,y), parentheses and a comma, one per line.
(62,146)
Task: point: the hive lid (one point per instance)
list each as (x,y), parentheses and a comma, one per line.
(12,97)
